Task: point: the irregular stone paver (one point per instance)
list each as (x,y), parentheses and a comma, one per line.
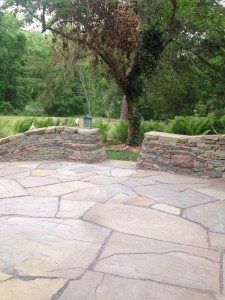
(101,193)
(217,240)
(213,193)
(113,231)
(108,287)
(167,208)
(142,201)
(9,170)
(173,195)
(47,247)
(177,179)
(123,243)
(106,180)
(118,172)
(4,277)
(10,188)
(223,272)
(65,176)
(18,175)
(73,209)
(58,189)
(37,289)
(42,172)
(159,261)
(210,215)
(147,223)
(33,181)
(29,206)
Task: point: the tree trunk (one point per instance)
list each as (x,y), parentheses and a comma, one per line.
(124,109)
(134,122)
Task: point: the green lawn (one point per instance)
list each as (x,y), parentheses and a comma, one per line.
(121,155)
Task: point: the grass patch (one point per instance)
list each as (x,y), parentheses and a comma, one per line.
(122,155)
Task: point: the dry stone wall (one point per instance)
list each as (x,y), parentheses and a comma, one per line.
(54,143)
(199,155)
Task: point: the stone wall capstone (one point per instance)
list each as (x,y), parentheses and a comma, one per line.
(54,143)
(196,155)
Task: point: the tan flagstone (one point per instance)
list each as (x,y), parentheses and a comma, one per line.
(97,286)
(38,289)
(210,215)
(220,297)
(73,209)
(99,193)
(42,172)
(49,247)
(29,206)
(174,195)
(124,243)
(142,201)
(59,189)
(4,277)
(19,175)
(133,257)
(213,192)
(10,188)
(119,164)
(217,240)
(119,172)
(33,181)
(167,208)
(148,223)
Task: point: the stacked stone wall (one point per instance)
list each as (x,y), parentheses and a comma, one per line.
(54,143)
(197,155)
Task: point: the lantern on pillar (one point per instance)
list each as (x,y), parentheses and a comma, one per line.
(88,121)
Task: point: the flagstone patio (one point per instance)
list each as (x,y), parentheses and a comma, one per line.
(108,231)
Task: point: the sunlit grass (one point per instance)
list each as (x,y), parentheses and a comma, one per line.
(122,155)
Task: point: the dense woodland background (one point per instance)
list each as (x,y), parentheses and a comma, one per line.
(37,78)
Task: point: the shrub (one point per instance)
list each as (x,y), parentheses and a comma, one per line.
(121,133)
(5,108)
(194,125)
(103,128)
(34,109)
(25,124)
(147,126)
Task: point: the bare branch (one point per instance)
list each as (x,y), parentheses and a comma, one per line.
(43,21)
(171,24)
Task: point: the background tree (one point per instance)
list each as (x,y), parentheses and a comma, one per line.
(115,34)
(12,50)
(189,78)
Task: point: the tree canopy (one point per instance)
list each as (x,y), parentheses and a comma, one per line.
(128,53)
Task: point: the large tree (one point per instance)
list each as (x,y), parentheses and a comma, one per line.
(12,50)
(114,31)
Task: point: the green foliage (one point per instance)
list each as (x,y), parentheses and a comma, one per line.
(198,125)
(25,124)
(121,132)
(5,108)
(34,109)
(134,127)
(122,155)
(104,128)
(150,48)
(189,79)
(147,126)
(13,47)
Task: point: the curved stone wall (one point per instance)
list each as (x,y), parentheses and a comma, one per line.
(54,143)
(199,155)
